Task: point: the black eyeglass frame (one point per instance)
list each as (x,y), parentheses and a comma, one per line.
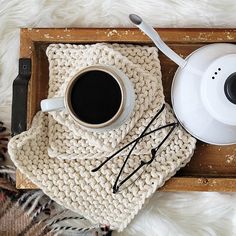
(154,151)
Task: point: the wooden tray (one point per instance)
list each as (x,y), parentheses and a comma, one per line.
(212,168)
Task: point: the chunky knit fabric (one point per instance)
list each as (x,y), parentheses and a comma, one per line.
(66,60)
(58,155)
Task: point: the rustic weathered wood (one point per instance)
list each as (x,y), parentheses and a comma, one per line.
(199,184)
(212,168)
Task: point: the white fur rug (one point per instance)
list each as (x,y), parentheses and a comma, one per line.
(169,214)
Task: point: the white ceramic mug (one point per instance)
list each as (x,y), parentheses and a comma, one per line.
(123,112)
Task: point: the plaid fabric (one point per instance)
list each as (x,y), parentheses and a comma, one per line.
(14,219)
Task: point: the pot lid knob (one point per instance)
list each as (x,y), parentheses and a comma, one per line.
(230,88)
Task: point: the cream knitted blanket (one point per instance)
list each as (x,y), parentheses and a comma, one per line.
(58,155)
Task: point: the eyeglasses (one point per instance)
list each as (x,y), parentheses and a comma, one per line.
(137,172)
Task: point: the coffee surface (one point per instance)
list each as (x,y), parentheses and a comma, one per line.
(95,97)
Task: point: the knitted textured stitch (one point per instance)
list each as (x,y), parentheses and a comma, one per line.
(69,181)
(140,64)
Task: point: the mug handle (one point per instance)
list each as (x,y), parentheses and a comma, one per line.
(52,104)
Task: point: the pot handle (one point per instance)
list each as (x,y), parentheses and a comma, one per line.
(154,36)
(19,98)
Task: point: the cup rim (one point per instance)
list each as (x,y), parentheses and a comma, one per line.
(75,77)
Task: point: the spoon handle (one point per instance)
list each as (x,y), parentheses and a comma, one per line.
(154,36)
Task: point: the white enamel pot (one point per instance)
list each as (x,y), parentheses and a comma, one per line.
(203,91)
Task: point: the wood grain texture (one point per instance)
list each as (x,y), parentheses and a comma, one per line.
(212,168)
(179,184)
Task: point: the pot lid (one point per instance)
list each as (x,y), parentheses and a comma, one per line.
(205,105)
(218,89)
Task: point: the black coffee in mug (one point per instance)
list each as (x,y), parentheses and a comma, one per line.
(95,97)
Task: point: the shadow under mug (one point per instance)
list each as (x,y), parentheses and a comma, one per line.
(96,87)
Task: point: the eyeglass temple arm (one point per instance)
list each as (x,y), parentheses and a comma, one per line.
(154,150)
(140,137)
(115,186)
(136,140)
